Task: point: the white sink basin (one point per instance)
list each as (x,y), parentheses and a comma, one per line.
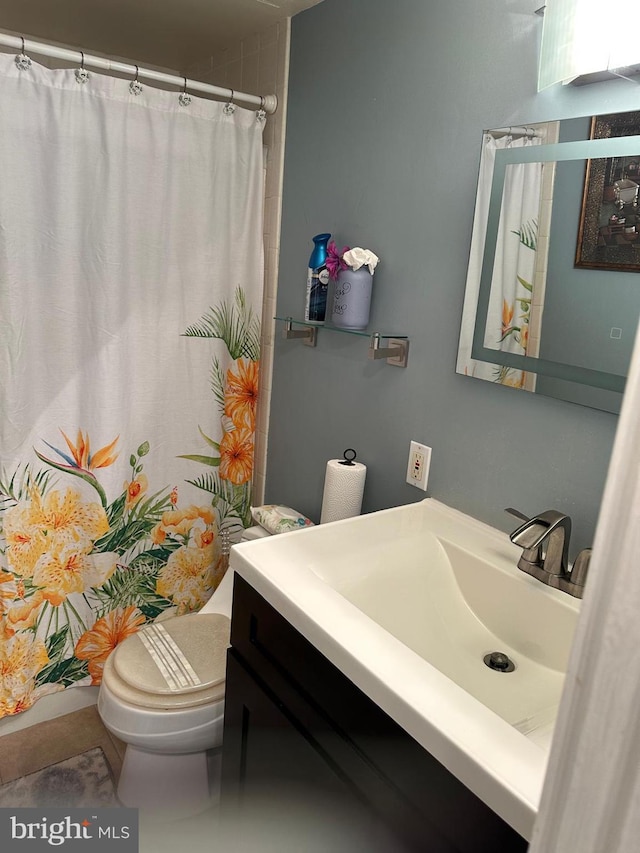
(453,608)
(407,603)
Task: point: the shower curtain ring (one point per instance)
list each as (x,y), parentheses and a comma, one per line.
(135,86)
(82,75)
(261,113)
(22,60)
(229,108)
(183,97)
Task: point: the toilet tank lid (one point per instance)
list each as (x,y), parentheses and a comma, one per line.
(255,532)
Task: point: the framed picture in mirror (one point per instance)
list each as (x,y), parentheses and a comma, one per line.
(609,227)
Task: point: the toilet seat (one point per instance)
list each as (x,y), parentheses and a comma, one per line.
(171,665)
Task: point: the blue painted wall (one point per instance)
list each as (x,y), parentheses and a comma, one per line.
(387,103)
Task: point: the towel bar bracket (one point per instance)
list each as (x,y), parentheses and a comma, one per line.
(308,335)
(396,354)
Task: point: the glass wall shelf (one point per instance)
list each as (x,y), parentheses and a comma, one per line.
(395,351)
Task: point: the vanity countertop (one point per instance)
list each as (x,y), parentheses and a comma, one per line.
(309,575)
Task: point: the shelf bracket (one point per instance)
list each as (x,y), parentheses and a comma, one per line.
(308,335)
(396,354)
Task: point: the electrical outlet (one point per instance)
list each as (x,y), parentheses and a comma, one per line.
(418,465)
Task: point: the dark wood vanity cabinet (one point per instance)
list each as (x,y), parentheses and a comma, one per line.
(307,755)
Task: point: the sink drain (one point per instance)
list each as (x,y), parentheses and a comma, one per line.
(499,661)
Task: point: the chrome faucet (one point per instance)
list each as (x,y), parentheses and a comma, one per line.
(544,540)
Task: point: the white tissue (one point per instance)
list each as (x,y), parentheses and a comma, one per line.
(357,258)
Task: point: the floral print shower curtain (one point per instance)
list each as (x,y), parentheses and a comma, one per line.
(509,310)
(130,297)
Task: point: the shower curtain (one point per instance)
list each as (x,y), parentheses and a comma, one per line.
(130,294)
(509,311)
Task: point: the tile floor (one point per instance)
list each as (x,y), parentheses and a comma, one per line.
(48,742)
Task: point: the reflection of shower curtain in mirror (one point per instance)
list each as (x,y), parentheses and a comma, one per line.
(130,297)
(514,265)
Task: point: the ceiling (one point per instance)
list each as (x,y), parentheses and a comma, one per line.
(172,34)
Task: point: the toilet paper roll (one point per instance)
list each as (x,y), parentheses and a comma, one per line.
(343,490)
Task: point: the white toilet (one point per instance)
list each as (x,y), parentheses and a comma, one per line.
(162,693)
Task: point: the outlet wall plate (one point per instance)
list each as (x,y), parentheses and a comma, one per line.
(418,465)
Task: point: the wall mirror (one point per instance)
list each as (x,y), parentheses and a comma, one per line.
(552,299)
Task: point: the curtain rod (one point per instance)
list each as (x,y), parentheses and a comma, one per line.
(268,103)
(529,132)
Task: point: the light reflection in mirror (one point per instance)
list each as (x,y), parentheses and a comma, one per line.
(534,316)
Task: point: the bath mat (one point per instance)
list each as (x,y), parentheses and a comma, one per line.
(82,781)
